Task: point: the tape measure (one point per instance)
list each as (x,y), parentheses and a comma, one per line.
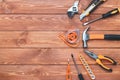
(73,36)
(87,67)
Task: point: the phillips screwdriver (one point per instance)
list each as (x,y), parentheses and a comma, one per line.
(108,14)
(80,76)
(68,72)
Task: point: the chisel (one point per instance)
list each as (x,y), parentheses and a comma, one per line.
(80,76)
(106,15)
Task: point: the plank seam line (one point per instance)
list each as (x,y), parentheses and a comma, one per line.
(58,48)
(44,13)
(55,30)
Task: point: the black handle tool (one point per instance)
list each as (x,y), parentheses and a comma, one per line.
(106,15)
(80,76)
(91,7)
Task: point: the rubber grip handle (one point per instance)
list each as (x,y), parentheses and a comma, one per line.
(109,70)
(111,37)
(111,13)
(103,66)
(113,61)
(96,3)
(80,76)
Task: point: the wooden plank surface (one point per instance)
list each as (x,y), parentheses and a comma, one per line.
(31,50)
(37,72)
(39,56)
(48,6)
(54,22)
(42,40)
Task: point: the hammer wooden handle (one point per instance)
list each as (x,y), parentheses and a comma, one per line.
(104,36)
(96,36)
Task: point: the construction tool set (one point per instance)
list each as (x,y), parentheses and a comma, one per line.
(72,39)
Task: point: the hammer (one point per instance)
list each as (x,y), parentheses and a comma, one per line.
(86,37)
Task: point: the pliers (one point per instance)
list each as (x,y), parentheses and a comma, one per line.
(98,59)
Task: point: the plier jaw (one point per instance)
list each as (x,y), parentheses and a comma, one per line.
(73,9)
(91,54)
(99,58)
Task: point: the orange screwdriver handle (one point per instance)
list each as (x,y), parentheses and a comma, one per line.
(68,73)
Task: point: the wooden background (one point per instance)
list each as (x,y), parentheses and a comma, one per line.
(31,50)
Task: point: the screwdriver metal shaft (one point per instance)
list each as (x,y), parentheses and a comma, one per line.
(75,64)
(86,23)
(80,76)
(108,14)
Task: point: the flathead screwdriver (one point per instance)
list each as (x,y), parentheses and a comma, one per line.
(106,15)
(80,76)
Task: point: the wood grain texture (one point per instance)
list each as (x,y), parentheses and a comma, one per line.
(46,56)
(30,72)
(55,22)
(41,39)
(31,50)
(48,6)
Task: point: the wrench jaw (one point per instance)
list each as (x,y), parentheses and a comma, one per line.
(73,10)
(70,14)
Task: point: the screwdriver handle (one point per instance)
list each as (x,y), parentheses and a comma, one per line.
(111,13)
(80,76)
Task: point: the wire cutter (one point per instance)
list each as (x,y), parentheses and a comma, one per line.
(99,58)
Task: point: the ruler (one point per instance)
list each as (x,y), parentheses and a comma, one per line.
(87,67)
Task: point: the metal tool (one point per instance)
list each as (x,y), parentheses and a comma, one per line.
(80,76)
(87,67)
(68,72)
(86,37)
(92,6)
(71,38)
(106,15)
(73,10)
(99,58)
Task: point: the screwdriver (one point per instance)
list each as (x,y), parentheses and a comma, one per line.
(108,14)
(80,76)
(68,73)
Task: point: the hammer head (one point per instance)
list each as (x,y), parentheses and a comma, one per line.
(85,37)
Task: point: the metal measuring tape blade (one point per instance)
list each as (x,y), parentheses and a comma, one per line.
(87,67)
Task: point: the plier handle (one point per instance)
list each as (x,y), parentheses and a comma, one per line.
(99,58)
